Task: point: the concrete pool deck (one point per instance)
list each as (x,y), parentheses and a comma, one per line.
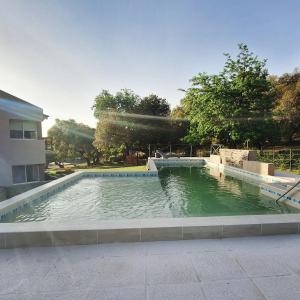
(235,268)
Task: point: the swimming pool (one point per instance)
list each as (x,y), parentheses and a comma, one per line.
(177,192)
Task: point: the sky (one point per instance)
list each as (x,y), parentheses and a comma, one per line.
(60,54)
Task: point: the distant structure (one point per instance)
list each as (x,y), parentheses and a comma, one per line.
(22,149)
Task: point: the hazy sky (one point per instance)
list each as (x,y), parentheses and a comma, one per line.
(59,54)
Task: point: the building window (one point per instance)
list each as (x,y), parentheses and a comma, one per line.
(32,173)
(23,174)
(30,130)
(16,129)
(23,129)
(18,173)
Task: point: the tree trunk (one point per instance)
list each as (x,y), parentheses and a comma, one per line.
(88,162)
(96,159)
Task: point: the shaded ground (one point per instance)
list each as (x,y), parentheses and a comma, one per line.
(237,268)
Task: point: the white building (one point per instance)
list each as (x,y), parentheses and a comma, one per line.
(22,149)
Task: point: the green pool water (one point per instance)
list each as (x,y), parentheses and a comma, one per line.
(176,192)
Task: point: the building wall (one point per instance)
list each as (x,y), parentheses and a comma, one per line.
(17,151)
(3,194)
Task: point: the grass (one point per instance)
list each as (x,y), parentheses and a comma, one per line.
(55,172)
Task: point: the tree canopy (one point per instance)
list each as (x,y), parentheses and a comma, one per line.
(154,106)
(287,109)
(71,140)
(145,121)
(123,101)
(234,106)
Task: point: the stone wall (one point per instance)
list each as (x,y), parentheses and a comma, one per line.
(235,157)
(258,167)
(216,159)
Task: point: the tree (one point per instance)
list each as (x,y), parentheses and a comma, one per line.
(71,139)
(124,101)
(178,113)
(151,123)
(287,109)
(234,106)
(133,122)
(154,106)
(113,131)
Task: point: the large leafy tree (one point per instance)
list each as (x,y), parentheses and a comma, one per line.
(234,106)
(153,105)
(135,123)
(114,131)
(71,139)
(287,109)
(124,101)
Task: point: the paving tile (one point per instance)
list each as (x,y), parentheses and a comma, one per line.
(231,290)
(118,271)
(164,247)
(69,256)
(28,266)
(203,245)
(126,293)
(16,297)
(262,265)
(16,283)
(113,272)
(215,266)
(53,296)
(122,249)
(291,260)
(163,269)
(65,265)
(279,287)
(190,291)
(58,282)
(251,244)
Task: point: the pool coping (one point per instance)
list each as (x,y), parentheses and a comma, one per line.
(32,234)
(143,230)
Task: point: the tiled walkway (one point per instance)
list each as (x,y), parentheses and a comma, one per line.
(240,268)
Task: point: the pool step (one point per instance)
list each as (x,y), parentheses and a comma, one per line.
(275,190)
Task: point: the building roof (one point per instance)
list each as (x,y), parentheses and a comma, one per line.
(8,96)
